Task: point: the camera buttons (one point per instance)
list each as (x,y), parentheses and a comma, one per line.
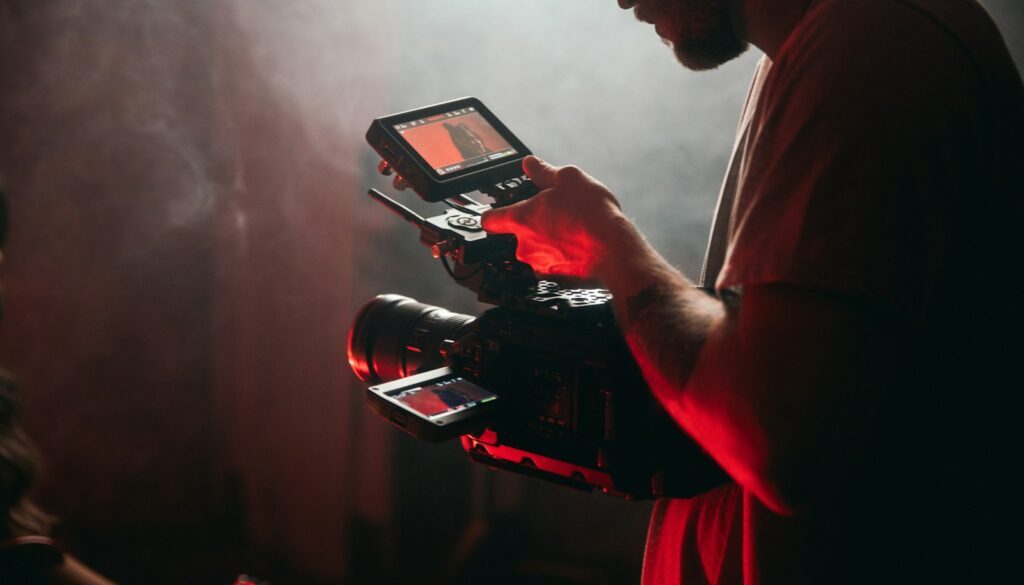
(465,222)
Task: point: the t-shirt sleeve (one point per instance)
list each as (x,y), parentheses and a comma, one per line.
(855,152)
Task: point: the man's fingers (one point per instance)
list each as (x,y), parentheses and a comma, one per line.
(542,174)
(502,221)
(496,221)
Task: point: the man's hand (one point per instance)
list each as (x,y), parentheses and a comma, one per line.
(569,228)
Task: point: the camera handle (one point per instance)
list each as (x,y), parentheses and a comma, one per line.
(511,191)
(484,263)
(504,193)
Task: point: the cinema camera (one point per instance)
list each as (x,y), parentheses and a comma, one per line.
(541,384)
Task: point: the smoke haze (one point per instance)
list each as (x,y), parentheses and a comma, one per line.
(191,239)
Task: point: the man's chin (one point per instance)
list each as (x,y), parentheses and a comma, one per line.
(707,58)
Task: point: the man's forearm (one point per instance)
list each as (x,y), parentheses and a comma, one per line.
(687,346)
(778,392)
(664,316)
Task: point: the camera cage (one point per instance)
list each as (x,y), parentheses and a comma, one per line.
(661,460)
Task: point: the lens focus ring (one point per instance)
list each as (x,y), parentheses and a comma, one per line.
(394,336)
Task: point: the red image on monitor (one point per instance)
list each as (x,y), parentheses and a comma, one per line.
(455,140)
(441,398)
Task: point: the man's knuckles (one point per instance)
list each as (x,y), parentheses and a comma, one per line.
(570,173)
(539,171)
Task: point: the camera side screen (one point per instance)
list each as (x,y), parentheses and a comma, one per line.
(443,398)
(455,140)
(448,149)
(436,405)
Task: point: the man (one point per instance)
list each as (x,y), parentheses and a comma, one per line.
(468,143)
(854,373)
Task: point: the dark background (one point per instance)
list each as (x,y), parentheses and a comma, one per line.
(191,240)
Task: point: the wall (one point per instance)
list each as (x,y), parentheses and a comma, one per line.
(192,238)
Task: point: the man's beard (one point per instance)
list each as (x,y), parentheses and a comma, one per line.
(701,32)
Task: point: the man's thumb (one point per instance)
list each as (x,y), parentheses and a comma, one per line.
(542,174)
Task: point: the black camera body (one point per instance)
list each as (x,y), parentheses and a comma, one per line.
(578,410)
(541,384)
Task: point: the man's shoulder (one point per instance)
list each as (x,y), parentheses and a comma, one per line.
(912,51)
(876,27)
(952,16)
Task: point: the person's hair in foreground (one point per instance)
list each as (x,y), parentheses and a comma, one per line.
(27,554)
(18,467)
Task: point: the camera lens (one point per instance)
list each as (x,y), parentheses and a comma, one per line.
(394,336)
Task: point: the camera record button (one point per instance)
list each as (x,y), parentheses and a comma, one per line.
(465,222)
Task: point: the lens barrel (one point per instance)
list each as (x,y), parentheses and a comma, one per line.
(394,336)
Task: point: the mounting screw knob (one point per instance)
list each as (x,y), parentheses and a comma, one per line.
(441,248)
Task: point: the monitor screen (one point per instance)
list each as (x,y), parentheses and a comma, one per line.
(444,397)
(455,140)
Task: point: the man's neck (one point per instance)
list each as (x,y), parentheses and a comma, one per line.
(766,24)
